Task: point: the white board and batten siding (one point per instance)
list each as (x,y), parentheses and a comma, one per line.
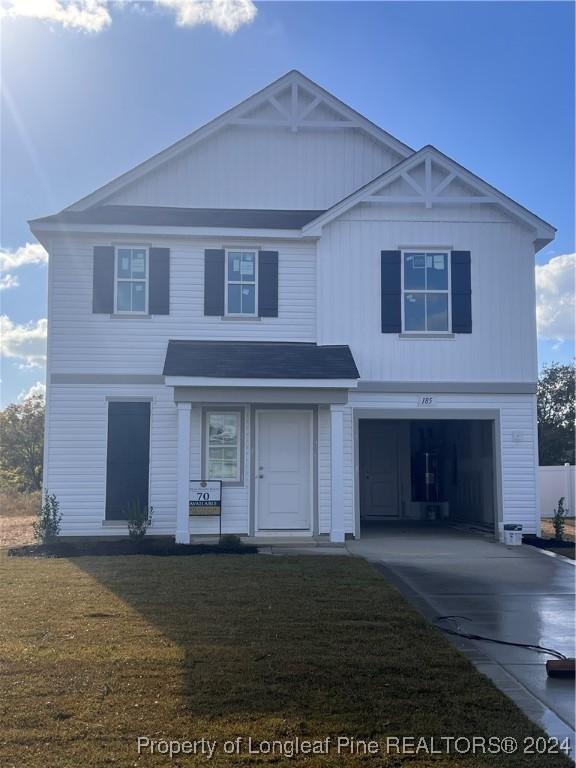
(264,168)
(502,345)
(83,342)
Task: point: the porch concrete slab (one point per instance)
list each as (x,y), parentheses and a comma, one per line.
(510,593)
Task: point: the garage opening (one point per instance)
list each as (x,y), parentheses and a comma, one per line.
(427,470)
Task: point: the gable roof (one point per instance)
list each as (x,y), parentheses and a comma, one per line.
(292,102)
(259,360)
(429,178)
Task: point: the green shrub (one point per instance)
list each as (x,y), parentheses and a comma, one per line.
(230,541)
(559,519)
(47,528)
(139,520)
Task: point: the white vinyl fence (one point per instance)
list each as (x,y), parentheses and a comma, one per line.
(556,482)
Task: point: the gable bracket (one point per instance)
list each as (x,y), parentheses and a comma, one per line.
(293,123)
(429,194)
(294,115)
(275,103)
(429,200)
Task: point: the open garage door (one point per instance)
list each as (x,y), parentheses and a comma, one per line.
(427,470)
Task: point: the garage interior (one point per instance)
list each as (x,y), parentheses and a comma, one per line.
(427,470)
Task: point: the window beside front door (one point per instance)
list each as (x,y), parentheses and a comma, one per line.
(131,280)
(426,306)
(224,446)
(241,283)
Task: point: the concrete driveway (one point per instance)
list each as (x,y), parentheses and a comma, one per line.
(516,594)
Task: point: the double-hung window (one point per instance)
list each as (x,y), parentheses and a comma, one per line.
(223,445)
(241,283)
(426,292)
(131,280)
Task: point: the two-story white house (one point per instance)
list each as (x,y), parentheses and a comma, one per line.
(290,300)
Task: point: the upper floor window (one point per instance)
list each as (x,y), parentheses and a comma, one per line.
(241,283)
(426,292)
(131,280)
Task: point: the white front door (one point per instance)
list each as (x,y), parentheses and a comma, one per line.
(284,471)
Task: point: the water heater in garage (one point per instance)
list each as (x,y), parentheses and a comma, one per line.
(425,477)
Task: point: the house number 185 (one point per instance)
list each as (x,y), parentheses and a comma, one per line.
(426,401)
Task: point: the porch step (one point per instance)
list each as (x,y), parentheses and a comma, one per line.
(274,541)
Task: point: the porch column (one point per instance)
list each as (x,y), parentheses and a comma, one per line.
(182,529)
(337,472)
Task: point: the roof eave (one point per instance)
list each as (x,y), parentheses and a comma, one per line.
(222,381)
(40,229)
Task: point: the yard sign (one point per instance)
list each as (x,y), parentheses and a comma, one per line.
(205,498)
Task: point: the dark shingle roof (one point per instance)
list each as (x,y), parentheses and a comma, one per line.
(156,216)
(259,360)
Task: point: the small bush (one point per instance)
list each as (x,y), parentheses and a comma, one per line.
(230,541)
(559,519)
(47,528)
(139,520)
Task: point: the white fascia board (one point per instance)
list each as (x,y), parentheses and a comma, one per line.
(155,231)
(215,381)
(543,232)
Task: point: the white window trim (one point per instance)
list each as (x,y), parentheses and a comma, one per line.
(403,291)
(146,281)
(228,282)
(239,413)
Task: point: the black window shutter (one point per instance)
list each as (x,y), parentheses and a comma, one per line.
(128,457)
(159,273)
(461,292)
(214,281)
(103,280)
(268,284)
(391,292)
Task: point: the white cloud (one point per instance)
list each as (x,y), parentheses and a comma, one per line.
(84,15)
(226,15)
(555,306)
(31,253)
(94,16)
(36,389)
(9,281)
(24,342)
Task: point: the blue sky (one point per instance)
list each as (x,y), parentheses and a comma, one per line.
(86,98)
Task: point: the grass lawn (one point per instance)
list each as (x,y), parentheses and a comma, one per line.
(96,652)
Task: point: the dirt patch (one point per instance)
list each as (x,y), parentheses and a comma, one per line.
(16,531)
(548,529)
